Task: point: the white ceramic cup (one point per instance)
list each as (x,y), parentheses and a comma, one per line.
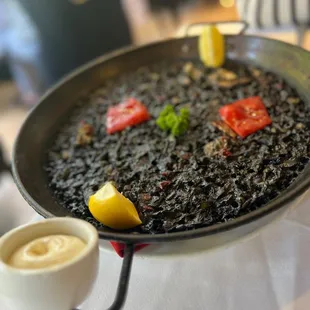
(60,287)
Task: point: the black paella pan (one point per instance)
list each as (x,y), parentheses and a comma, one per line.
(289,62)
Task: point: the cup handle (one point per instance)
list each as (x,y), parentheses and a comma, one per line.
(123,282)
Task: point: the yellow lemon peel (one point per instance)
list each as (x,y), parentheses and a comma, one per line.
(111,208)
(211,47)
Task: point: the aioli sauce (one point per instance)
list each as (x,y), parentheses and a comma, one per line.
(46,252)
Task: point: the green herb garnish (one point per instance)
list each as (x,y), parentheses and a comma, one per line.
(168,120)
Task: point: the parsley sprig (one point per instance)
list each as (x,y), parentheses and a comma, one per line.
(168,120)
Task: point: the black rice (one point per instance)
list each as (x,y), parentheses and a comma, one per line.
(173,184)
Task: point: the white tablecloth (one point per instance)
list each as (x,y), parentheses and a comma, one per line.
(269,272)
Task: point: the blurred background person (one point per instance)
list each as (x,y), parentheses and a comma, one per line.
(74,32)
(283,15)
(20,48)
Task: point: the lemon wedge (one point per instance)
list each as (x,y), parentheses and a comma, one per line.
(112,209)
(211,47)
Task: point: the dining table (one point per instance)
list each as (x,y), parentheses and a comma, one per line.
(269,270)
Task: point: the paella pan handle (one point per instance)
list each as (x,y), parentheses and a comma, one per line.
(244,26)
(123,282)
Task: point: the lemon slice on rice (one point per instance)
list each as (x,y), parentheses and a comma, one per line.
(114,210)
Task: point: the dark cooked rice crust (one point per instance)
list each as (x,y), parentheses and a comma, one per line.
(201,190)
